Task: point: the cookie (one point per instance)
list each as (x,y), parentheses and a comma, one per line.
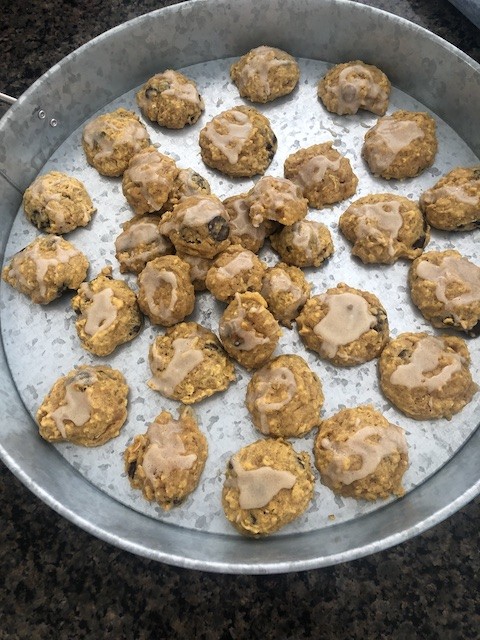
(354,85)
(265,74)
(285,290)
(323,174)
(112,139)
(359,454)
(88,407)
(171,100)
(57,203)
(45,268)
(445,286)
(166,462)
(148,180)
(384,227)
(304,244)
(401,145)
(235,270)
(165,292)
(198,269)
(188,364)
(344,325)
(242,230)
(453,203)
(276,199)
(427,376)
(268,484)
(108,314)
(187,183)
(238,142)
(284,397)
(140,242)
(248,331)
(198,225)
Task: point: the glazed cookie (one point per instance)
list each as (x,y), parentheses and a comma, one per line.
(304,244)
(324,175)
(248,331)
(57,203)
(268,484)
(354,85)
(198,225)
(285,290)
(108,313)
(140,242)
(453,203)
(235,270)
(427,376)
(344,325)
(359,454)
(264,74)
(242,230)
(445,286)
(238,142)
(112,139)
(284,398)
(187,183)
(171,100)
(384,227)
(401,145)
(198,269)
(276,199)
(45,268)
(166,462)
(88,407)
(148,180)
(188,364)
(165,292)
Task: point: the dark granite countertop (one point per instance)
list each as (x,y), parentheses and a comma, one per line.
(56,581)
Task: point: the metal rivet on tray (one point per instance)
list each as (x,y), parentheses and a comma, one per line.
(53,122)
(41,114)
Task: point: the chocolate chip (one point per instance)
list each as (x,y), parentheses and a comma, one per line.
(40,220)
(132,467)
(150,93)
(199,181)
(218,228)
(420,242)
(403,354)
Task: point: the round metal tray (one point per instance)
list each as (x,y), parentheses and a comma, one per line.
(103,75)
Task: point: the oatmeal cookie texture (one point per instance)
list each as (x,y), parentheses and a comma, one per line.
(57,203)
(248,331)
(108,313)
(166,462)
(268,485)
(235,270)
(112,139)
(45,268)
(188,364)
(359,454)
(453,203)
(284,397)
(354,85)
(148,180)
(166,294)
(304,244)
(401,145)
(88,407)
(171,100)
(187,183)
(427,376)
(278,200)
(242,230)
(285,290)
(384,227)
(323,174)
(140,242)
(265,74)
(238,142)
(344,325)
(445,286)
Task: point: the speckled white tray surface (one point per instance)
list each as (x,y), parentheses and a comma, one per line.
(42,344)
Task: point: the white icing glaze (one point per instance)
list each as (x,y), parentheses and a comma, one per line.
(77,408)
(130,132)
(258,68)
(101,313)
(147,168)
(455,192)
(235,135)
(356,89)
(152,280)
(269,197)
(181,90)
(347,319)
(388,138)
(203,212)
(240,222)
(241,262)
(245,336)
(313,170)
(279,282)
(54,201)
(380,220)
(279,383)
(258,486)
(166,450)
(184,360)
(426,358)
(141,233)
(387,441)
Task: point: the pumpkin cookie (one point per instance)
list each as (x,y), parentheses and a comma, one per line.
(304,244)
(285,290)
(276,199)
(242,230)
(140,242)
(235,270)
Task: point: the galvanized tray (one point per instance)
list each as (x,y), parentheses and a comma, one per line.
(89,486)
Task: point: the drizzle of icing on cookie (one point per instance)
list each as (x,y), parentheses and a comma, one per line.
(234,136)
(184,360)
(274,389)
(202,212)
(258,486)
(243,261)
(99,135)
(259,64)
(152,281)
(357,89)
(240,330)
(313,170)
(150,168)
(77,408)
(379,220)
(181,90)
(101,313)
(166,450)
(389,137)
(455,192)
